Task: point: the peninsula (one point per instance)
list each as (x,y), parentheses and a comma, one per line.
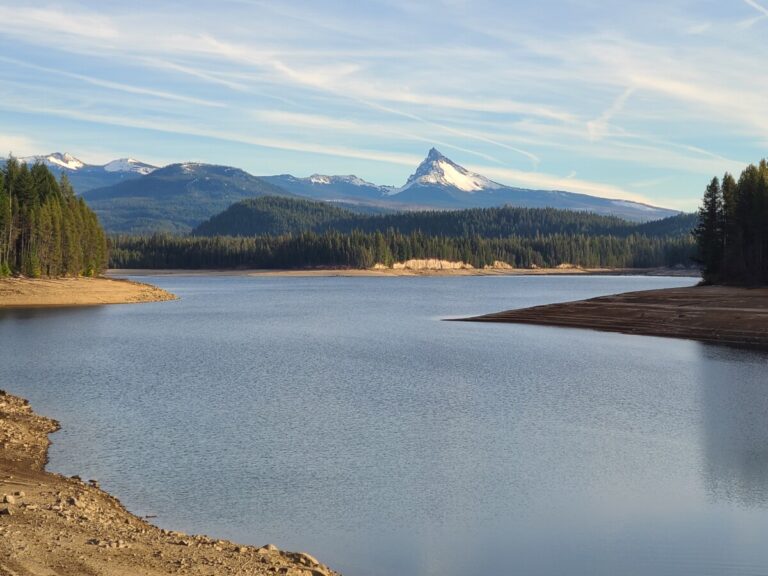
(718,314)
(77,291)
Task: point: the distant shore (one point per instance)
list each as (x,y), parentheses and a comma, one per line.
(51,524)
(389,272)
(717,314)
(62,292)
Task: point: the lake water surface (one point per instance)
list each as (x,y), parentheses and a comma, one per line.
(342,417)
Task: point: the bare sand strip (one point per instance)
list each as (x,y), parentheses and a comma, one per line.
(726,315)
(55,292)
(398,272)
(51,525)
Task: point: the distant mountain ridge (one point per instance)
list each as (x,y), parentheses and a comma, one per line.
(139,201)
(331,188)
(83,176)
(440,183)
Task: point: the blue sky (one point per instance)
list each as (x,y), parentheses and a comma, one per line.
(642,100)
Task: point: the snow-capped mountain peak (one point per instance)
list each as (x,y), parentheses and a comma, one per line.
(57,159)
(437,170)
(129,165)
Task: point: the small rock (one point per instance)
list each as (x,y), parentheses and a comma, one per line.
(9,499)
(307,560)
(242,550)
(268,548)
(6,511)
(19,494)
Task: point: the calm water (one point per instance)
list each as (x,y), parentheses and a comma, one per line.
(340,416)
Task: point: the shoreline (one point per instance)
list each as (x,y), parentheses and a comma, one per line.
(52,524)
(73,292)
(389,272)
(713,314)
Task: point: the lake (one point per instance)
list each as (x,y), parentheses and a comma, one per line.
(343,417)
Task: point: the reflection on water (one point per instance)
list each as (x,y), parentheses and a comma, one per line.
(734,398)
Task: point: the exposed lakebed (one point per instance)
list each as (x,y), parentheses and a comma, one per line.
(340,416)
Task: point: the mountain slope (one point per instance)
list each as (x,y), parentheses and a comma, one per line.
(273,215)
(175,198)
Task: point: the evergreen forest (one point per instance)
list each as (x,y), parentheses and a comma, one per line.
(732,230)
(45,230)
(285,233)
(332,249)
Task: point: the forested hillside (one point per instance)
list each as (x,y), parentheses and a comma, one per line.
(273,215)
(174,198)
(732,234)
(45,230)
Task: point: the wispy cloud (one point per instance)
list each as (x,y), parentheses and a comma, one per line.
(598,128)
(19,20)
(118,86)
(759,7)
(554,182)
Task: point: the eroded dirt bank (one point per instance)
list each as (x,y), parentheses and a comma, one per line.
(726,315)
(51,525)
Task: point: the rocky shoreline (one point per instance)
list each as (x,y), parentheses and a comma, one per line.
(716,314)
(54,525)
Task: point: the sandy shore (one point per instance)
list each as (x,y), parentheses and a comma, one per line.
(388,272)
(51,525)
(44,292)
(726,315)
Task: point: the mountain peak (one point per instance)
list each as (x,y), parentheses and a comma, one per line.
(56,159)
(129,165)
(437,170)
(434,154)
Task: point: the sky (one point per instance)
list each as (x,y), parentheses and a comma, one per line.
(637,100)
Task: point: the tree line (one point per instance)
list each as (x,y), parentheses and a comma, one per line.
(732,231)
(45,230)
(357,249)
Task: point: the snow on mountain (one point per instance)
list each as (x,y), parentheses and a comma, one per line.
(129,165)
(68,162)
(322,179)
(437,170)
(636,205)
(56,160)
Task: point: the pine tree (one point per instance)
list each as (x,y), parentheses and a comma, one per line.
(709,232)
